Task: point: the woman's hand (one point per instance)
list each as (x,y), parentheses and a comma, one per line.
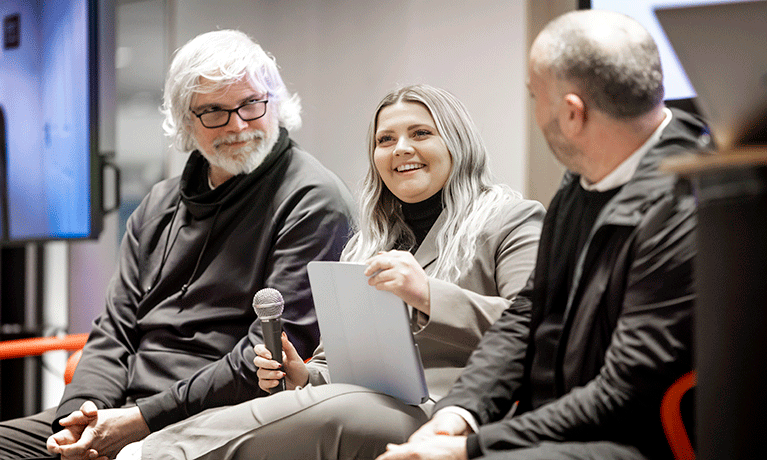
(399,273)
(270,372)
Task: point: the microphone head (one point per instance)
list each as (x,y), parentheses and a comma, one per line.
(268,304)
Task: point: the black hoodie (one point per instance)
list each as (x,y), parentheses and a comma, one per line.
(178,332)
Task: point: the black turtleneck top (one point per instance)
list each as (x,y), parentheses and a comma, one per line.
(420,217)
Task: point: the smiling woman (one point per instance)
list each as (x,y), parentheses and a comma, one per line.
(434,231)
(410,155)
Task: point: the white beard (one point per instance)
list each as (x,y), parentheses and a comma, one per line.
(245,159)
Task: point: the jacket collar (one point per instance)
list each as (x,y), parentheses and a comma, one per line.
(648,183)
(646,187)
(426,253)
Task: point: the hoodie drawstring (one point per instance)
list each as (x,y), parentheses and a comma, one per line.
(166,248)
(185,287)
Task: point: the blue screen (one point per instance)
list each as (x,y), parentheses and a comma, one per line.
(46,103)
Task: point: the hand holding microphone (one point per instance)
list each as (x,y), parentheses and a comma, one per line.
(278,369)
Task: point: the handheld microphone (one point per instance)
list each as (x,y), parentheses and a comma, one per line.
(268,305)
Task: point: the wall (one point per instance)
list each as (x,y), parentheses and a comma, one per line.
(343,56)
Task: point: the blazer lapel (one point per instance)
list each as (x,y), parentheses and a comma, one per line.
(427,251)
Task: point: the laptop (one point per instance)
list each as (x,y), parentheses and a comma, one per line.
(366,333)
(723,50)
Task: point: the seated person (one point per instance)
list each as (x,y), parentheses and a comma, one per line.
(250,210)
(612,294)
(434,231)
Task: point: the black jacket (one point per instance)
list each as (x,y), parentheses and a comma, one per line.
(179,328)
(627,327)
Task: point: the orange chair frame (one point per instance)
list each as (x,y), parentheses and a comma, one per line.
(37,346)
(671,417)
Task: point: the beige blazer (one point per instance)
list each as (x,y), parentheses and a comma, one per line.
(462,311)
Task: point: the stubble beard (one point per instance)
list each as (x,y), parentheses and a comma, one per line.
(567,154)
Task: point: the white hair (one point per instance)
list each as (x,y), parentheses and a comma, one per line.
(222,57)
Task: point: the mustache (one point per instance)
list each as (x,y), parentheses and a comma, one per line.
(256,135)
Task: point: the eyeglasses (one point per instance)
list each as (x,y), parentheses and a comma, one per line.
(249,111)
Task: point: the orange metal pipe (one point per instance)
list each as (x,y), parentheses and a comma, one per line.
(39,345)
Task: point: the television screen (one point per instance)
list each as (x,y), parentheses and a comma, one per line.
(674,79)
(51,172)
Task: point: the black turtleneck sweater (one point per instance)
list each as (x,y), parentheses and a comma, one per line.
(569,239)
(420,217)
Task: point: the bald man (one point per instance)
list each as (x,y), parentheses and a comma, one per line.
(611,299)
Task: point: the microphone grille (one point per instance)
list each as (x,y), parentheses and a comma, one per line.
(268,303)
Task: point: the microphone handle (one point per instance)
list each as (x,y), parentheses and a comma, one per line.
(272,330)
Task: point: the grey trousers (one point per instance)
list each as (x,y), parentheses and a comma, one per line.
(26,437)
(335,421)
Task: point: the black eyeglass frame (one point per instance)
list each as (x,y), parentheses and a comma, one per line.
(229,113)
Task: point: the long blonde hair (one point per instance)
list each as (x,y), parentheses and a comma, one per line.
(469,195)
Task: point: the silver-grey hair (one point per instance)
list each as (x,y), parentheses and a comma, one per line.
(469,195)
(222,57)
(608,56)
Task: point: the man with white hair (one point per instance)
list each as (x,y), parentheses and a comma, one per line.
(249,211)
(611,298)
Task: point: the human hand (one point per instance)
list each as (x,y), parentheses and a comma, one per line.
(433,448)
(107,431)
(442,424)
(74,424)
(399,273)
(270,372)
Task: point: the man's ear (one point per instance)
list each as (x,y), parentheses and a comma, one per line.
(572,115)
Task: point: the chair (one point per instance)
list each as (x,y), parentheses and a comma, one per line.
(20,348)
(671,417)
